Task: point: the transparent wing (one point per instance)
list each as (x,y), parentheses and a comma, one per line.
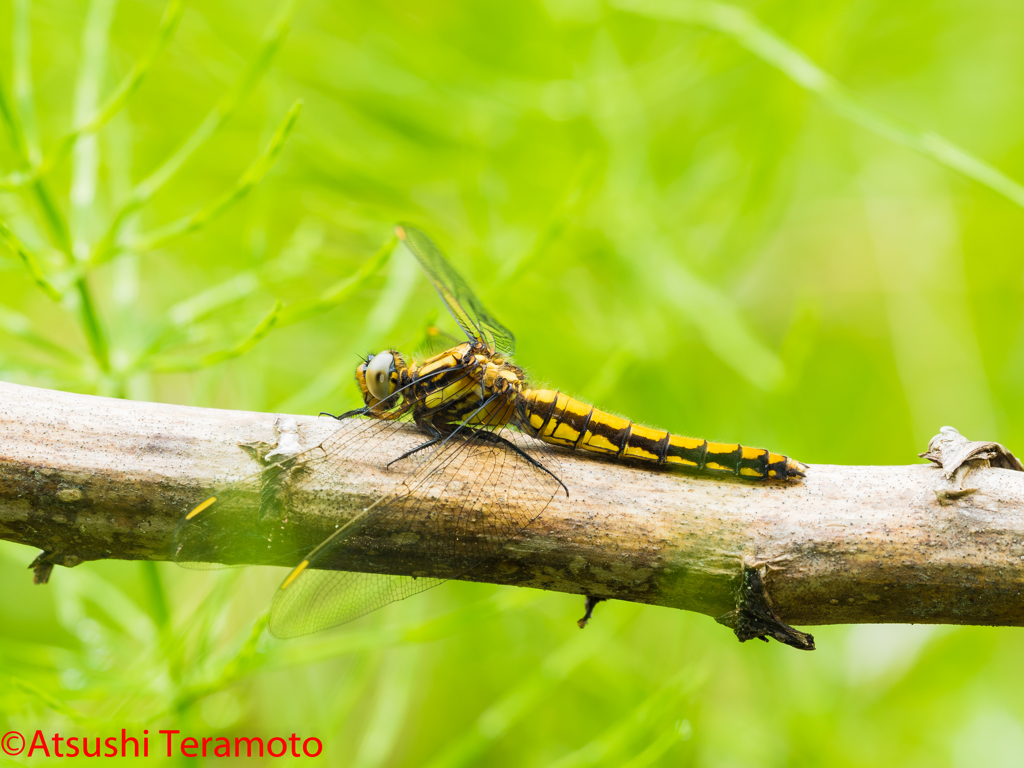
(467,310)
(474,493)
(254,520)
(464,498)
(276,516)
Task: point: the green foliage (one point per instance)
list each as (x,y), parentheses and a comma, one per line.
(789,225)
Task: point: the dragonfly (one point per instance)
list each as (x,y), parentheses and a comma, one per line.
(486,469)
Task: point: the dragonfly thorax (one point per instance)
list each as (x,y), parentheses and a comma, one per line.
(467,383)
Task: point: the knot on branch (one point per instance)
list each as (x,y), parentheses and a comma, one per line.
(42,566)
(959,456)
(754,616)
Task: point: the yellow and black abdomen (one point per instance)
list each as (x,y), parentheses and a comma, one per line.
(560,420)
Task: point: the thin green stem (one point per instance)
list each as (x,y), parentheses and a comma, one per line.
(21,49)
(86,156)
(161,612)
(54,220)
(91,325)
(10,118)
(110,107)
(238,666)
(20,327)
(50,701)
(14,245)
(56,225)
(225,108)
(124,90)
(341,291)
(577,192)
(157,595)
(220,356)
(252,176)
(749,32)
(186,313)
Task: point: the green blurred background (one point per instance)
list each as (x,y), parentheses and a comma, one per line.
(682,220)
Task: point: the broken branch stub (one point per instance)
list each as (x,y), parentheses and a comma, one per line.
(86,478)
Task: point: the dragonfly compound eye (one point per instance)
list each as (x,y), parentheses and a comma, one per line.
(378,375)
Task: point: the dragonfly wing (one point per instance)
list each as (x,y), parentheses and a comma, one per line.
(276,516)
(273,517)
(221,532)
(467,310)
(321,599)
(459,507)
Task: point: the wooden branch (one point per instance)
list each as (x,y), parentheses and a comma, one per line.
(85,478)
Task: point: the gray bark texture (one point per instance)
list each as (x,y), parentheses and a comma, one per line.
(86,478)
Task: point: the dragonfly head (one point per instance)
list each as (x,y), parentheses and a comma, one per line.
(379,376)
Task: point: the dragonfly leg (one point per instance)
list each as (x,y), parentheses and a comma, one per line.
(493,438)
(347,414)
(436,437)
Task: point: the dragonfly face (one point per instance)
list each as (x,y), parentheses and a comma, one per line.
(476,482)
(379,376)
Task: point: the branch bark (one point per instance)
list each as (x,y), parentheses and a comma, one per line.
(86,478)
